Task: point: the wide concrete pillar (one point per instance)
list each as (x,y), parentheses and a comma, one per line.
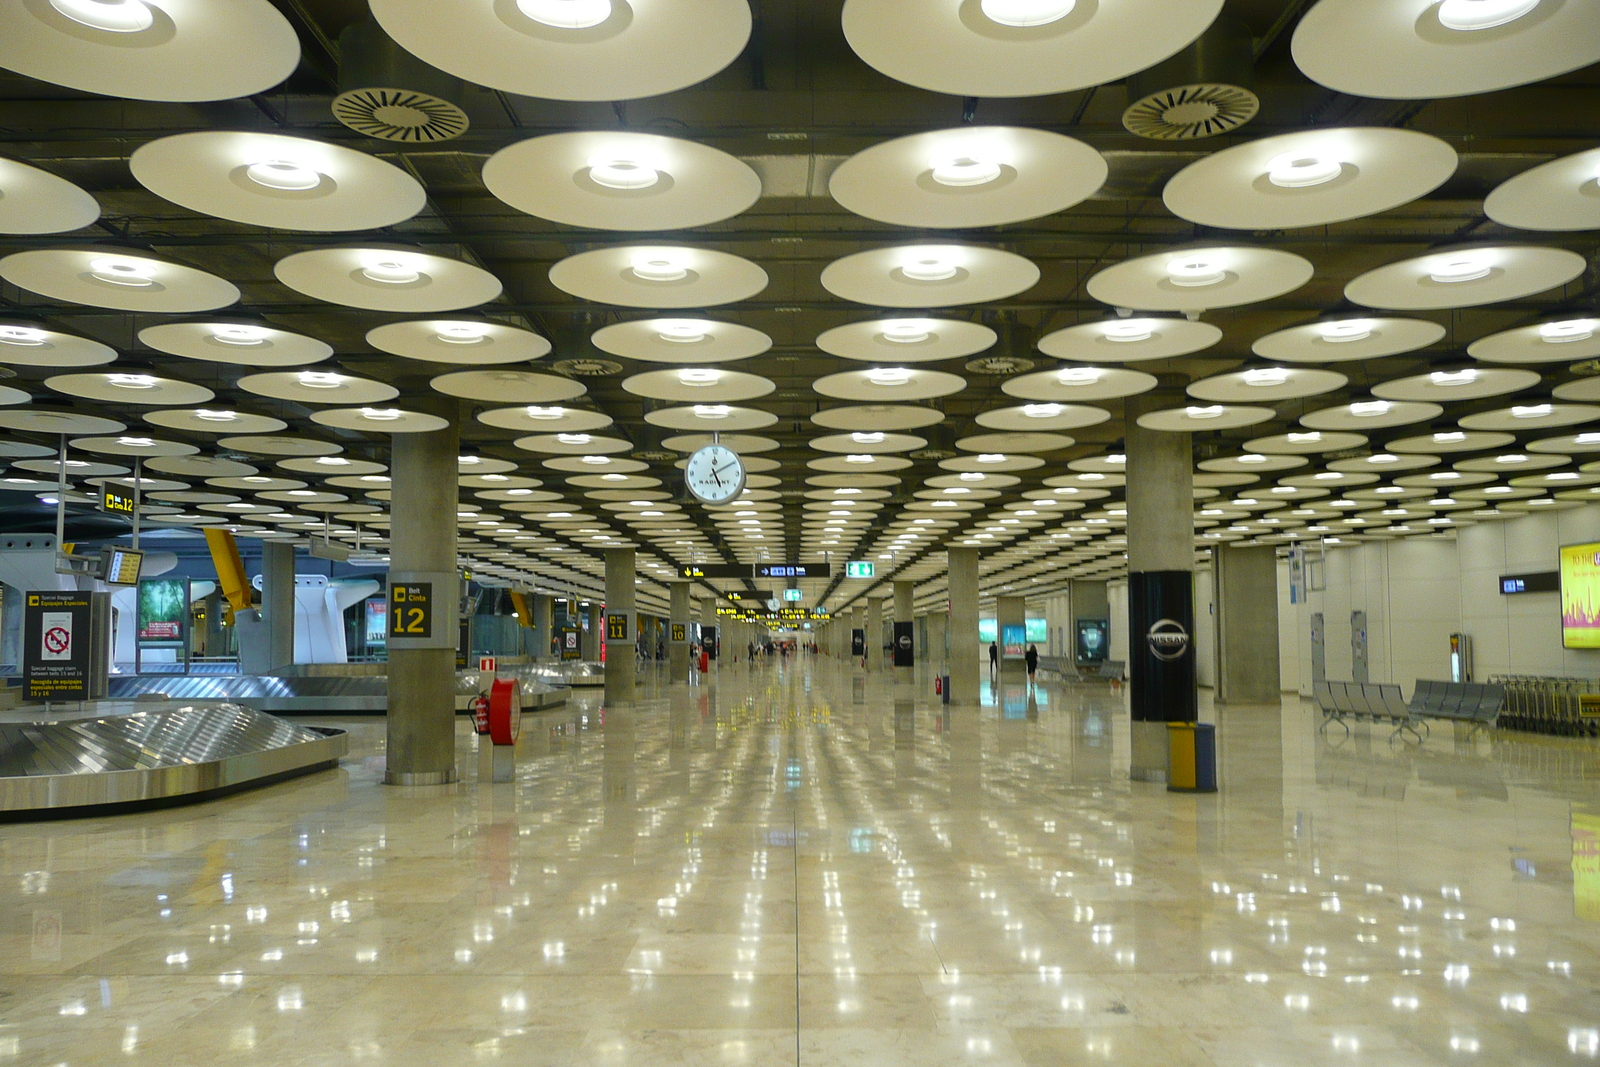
(858,621)
(678,632)
(904,592)
(962,567)
(1161,670)
(1011,611)
(1247,624)
(938,634)
(622,624)
(708,617)
(875,658)
(543,624)
(422,550)
(589,632)
(277,599)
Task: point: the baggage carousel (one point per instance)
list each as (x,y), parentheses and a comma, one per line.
(335,693)
(114,755)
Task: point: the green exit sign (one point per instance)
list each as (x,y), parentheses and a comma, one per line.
(859,569)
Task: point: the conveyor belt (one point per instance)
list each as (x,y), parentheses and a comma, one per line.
(62,765)
(317,694)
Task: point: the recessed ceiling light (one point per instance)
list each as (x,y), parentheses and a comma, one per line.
(660,267)
(318,379)
(1555,333)
(1252,457)
(1531,411)
(991,457)
(566,14)
(906,331)
(712,411)
(1212,411)
(888,376)
(113,16)
(23,336)
(462,333)
(1297,170)
(1079,375)
(1042,411)
(132,381)
(1470,15)
(1455,269)
(205,415)
(130,272)
(1453,377)
(1266,376)
(681,331)
(622,173)
(239,335)
(699,376)
(962,172)
(1195,271)
(283,175)
(390,269)
(1023,13)
(1345,330)
(856,458)
(1367,409)
(929,268)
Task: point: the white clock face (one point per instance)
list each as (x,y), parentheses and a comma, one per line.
(714,474)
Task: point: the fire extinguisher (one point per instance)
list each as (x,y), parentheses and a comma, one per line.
(938,686)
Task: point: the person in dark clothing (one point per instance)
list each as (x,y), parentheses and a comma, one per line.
(994,658)
(1032,659)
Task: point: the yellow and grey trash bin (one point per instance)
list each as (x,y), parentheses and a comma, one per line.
(1191,757)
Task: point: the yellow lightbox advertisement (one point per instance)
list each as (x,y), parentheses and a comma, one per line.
(1580,596)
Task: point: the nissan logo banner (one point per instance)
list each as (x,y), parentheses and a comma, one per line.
(1161,668)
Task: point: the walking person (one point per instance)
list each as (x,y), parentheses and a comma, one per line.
(994,660)
(1032,660)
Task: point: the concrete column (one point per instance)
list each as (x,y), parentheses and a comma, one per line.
(965,656)
(708,614)
(277,599)
(1247,624)
(938,634)
(422,540)
(903,594)
(589,633)
(858,621)
(1160,492)
(621,659)
(1010,611)
(678,651)
(875,657)
(543,624)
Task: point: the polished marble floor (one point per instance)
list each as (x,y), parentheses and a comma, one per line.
(800,864)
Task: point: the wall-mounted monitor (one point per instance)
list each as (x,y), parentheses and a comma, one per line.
(120,566)
(1542,582)
(1580,595)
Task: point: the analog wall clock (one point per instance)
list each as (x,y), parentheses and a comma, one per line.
(714,474)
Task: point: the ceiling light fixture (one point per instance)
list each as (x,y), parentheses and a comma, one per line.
(627,174)
(22,336)
(991,457)
(320,379)
(681,331)
(1367,409)
(574,438)
(1455,269)
(1194,272)
(929,268)
(906,331)
(205,415)
(545,414)
(1469,15)
(1252,458)
(1261,377)
(888,376)
(712,411)
(962,172)
(390,270)
(1453,377)
(239,335)
(283,175)
(1079,375)
(1554,333)
(1024,13)
(1293,170)
(130,272)
(699,376)
(1449,437)
(856,458)
(873,438)
(1212,411)
(113,16)
(596,461)
(972,476)
(1126,331)
(462,333)
(1532,411)
(1042,411)
(1345,331)
(132,381)
(566,14)
(660,267)
(381,414)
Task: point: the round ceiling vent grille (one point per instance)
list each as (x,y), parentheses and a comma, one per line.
(931,453)
(654,455)
(999,365)
(1187,112)
(400,115)
(587,368)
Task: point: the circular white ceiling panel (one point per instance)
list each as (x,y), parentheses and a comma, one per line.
(1421,49)
(125,281)
(618,180)
(1464,383)
(36,201)
(1193,279)
(267,179)
(1130,340)
(658,276)
(1306,443)
(24,344)
(545,418)
(1267,384)
(681,340)
(318,387)
(129,388)
(892,384)
(572,49)
(1450,441)
(1310,178)
(1345,340)
(929,275)
(387,279)
(509,386)
(243,344)
(906,340)
(1560,340)
(878,417)
(709,417)
(968,176)
(1011,48)
(462,341)
(271,445)
(1079,384)
(1465,277)
(1197,418)
(990,443)
(150,49)
(1534,415)
(1563,194)
(1029,417)
(215,420)
(699,385)
(133,445)
(1371,415)
(379,420)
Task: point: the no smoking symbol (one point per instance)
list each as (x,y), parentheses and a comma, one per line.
(57,640)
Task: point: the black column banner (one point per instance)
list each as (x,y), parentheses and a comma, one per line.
(1161,679)
(905,654)
(858,643)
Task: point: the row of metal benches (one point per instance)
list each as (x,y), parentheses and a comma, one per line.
(1474,703)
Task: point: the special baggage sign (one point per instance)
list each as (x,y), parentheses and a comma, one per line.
(55,646)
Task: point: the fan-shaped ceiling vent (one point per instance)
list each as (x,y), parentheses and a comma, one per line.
(1186,112)
(400,115)
(654,455)
(587,367)
(999,365)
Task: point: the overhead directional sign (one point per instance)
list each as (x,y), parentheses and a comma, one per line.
(760,570)
(715,570)
(860,569)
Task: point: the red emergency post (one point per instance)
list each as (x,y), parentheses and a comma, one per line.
(499,715)
(486,664)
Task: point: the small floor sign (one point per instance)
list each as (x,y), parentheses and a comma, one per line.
(55,653)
